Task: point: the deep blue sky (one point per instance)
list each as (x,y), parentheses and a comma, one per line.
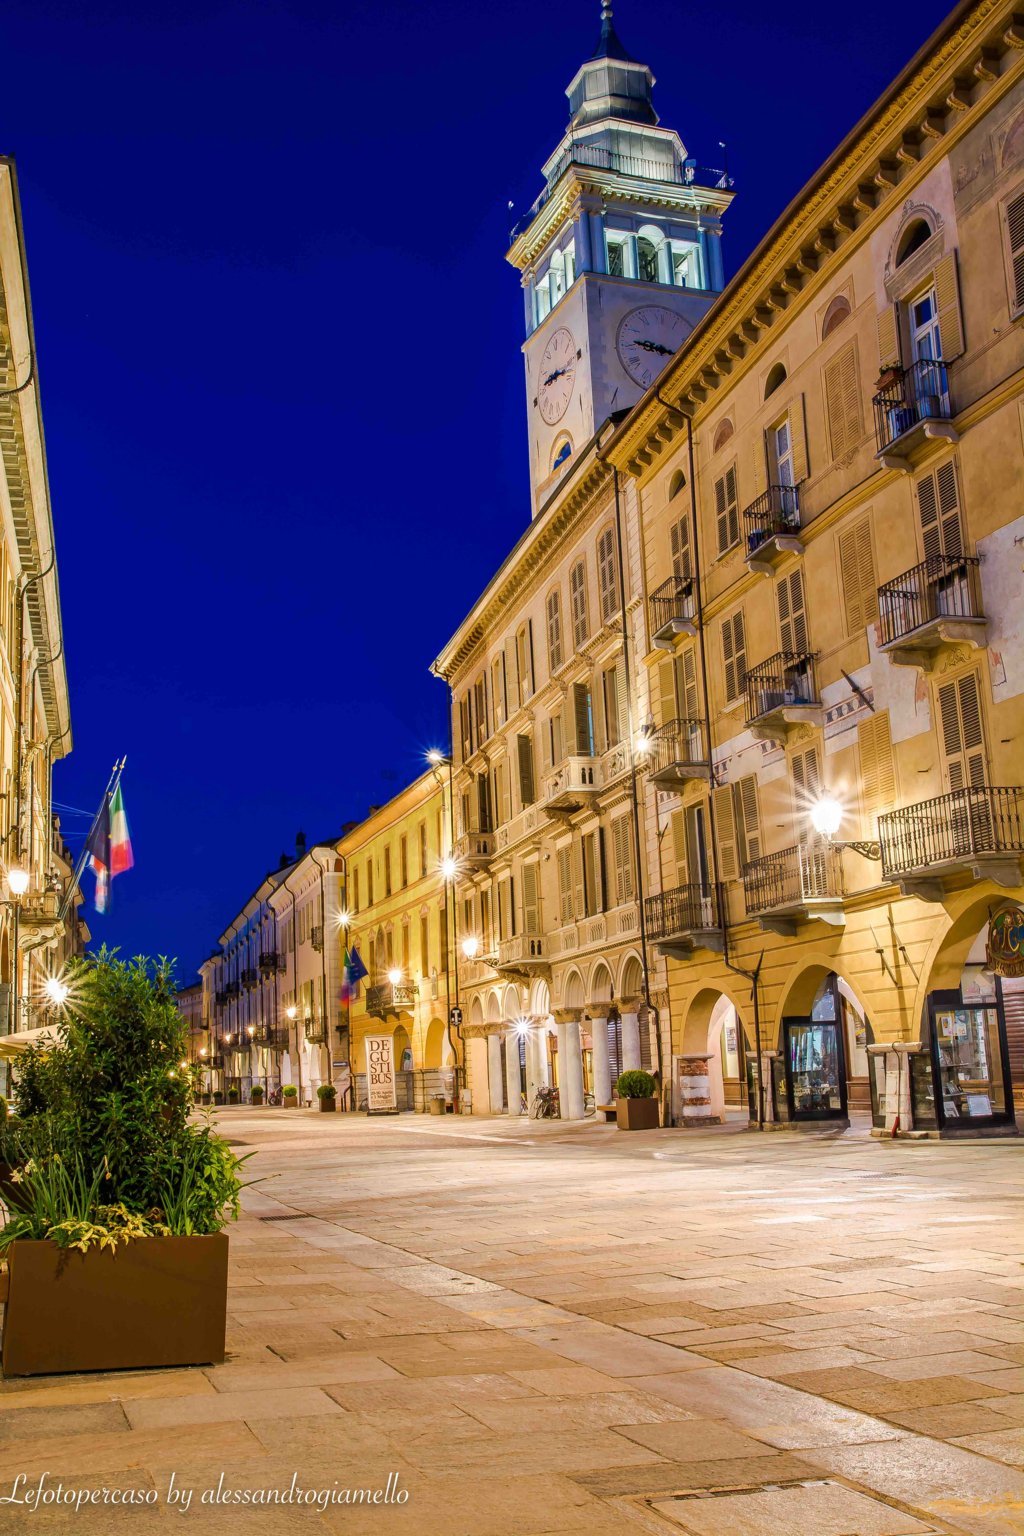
(279,356)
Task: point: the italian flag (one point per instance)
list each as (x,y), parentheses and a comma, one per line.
(110,846)
(121,856)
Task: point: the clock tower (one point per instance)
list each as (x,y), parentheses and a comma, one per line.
(620,256)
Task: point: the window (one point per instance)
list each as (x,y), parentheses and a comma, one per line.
(506,911)
(524,750)
(553,737)
(387,871)
(647,260)
(481,730)
(564,861)
(486,931)
(554,615)
(622,860)
(805,772)
(423,849)
(563,451)
(836,313)
(723,432)
(792,615)
(685,265)
(776,376)
(877,774)
(578,604)
(590,849)
(614,700)
(607,574)
(781,441)
(938,504)
(406,953)
(738,827)
(963,739)
(465,727)
(734,656)
(424,945)
(857,573)
(842,401)
(617,255)
(369,882)
(498,691)
(1015,251)
(679,543)
(531,898)
(403,859)
(676,485)
(524,661)
(583,714)
(925,336)
(727,512)
(912,239)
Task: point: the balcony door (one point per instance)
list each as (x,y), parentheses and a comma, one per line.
(696,819)
(926,353)
(780,439)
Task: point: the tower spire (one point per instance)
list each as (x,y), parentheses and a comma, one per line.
(609,46)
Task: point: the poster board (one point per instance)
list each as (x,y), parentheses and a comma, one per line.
(380,1075)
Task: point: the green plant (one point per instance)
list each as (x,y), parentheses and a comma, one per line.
(205,1185)
(4,1109)
(326,1091)
(289,1091)
(257,1095)
(233,1095)
(636,1085)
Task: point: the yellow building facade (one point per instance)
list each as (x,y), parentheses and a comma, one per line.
(829,476)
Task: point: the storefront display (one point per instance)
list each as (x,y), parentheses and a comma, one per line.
(815,1069)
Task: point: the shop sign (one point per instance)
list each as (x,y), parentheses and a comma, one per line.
(380,1074)
(1005,951)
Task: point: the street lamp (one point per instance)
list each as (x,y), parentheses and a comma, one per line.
(394,976)
(56,991)
(826,818)
(471,946)
(17,881)
(289,1013)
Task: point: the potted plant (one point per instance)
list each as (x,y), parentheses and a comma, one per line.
(233,1095)
(327,1094)
(290,1096)
(636,1108)
(117,1258)
(256,1096)
(889,377)
(218,1097)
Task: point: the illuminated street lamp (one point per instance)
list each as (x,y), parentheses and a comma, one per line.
(17,881)
(826,816)
(471,946)
(56,991)
(394,976)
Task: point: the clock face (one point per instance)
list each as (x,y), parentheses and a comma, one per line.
(647,338)
(557,375)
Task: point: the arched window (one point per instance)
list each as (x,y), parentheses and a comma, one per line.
(647,259)
(835,315)
(563,450)
(723,432)
(912,239)
(676,484)
(776,376)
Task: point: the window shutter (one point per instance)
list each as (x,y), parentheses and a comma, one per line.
(554,631)
(725,826)
(678,825)
(889,337)
(557,748)
(512,675)
(760,441)
(564,858)
(680,541)
(857,571)
(969,700)
(734,656)
(606,575)
(610,680)
(531,903)
(842,401)
(938,506)
(1015,235)
(524,746)
(721,515)
(792,617)
(749,822)
(622,861)
(578,603)
(877,774)
(734,511)
(726,510)
(579,904)
(667,691)
(947,302)
(584,725)
(806,780)
(798,438)
(686,683)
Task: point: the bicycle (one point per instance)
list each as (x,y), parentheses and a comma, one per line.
(589,1105)
(545,1105)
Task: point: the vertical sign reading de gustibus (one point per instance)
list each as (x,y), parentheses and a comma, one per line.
(380,1074)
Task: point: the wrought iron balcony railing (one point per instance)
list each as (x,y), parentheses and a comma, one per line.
(915,395)
(270,1037)
(249,977)
(776,512)
(678,753)
(793,879)
(782,681)
(269,961)
(390,997)
(688,909)
(977,820)
(941,587)
(673,608)
(315,1031)
(687,173)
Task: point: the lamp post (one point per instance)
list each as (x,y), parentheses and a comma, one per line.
(449,870)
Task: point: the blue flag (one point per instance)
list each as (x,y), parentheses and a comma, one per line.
(355,967)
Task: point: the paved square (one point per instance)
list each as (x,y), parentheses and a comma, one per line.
(543,1329)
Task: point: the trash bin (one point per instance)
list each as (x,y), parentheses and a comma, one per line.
(437,1104)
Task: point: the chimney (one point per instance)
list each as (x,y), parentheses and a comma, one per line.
(285,861)
(300,844)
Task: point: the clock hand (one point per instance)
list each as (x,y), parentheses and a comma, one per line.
(558,373)
(656,346)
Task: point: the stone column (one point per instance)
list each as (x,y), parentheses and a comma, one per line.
(598,252)
(536,1063)
(602,1060)
(512,1075)
(494,1072)
(695,1089)
(570,1064)
(581,233)
(899,1114)
(631,1060)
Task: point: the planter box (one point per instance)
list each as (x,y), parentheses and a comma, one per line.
(156,1301)
(636,1114)
(328,1106)
(436,1106)
(290,1101)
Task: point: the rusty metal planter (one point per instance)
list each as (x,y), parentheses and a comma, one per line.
(151,1302)
(636,1114)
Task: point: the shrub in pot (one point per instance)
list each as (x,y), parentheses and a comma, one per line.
(233,1095)
(117,1257)
(290,1096)
(218,1097)
(327,1095)
(636,1108)
(257,1095)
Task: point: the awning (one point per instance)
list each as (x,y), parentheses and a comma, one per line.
(13,1045)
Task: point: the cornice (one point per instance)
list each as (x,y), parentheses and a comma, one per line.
(940,97)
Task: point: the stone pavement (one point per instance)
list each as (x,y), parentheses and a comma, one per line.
(547,1329)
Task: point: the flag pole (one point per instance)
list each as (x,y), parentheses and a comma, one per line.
(112,783)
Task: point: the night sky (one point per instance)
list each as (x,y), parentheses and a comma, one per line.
(280,371)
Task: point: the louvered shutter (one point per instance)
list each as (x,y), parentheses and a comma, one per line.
(527,790)
(792,618)
(938,506)
(721,515)
(806,780)
(686,683)
(739,646)
(610,689)
(554,631)
(579,904)
(857,572)
(1015,235)
(564,859)
(843,402)
(578,603)
(678,825)
(947,303)
(584,727)
(680,541)
(512,675)
(798,439)
(749,821)
(620,860)
(606,575)
(667,691)
(729,661)
(531,901)
(557,746)
(725,827)
(877,774)
(889,355)
(760,463)
(734,511)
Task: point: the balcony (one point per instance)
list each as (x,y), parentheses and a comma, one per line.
(213,1061)
(782,693)
(269,961)
(773,528)
(673,611)
(249,978)
(571,786)
(232,990)
(686,918)
(270,1037)
(977,832)
(390,999)
(315,1031)
(524,955)
(936,604)
(800,884)
(474,850)
(678,754)
(911,406)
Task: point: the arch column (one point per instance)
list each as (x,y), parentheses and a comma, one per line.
(630,1024)
(570,1064)
(536,1060)
(494,1073)
(513,1081)
(602,1057)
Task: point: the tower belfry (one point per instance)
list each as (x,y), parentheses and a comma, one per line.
(620,255)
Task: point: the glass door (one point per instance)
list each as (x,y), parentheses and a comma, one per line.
(970,1058)
(815,1069)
